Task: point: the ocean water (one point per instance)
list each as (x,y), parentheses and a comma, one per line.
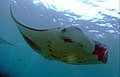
(98,19)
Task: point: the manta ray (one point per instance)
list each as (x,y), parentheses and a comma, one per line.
(66,44)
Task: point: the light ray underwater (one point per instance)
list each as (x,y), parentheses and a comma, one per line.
(66,44)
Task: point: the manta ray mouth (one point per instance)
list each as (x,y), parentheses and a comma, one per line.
(101,51)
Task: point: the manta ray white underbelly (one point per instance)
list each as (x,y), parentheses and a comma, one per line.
(66,44)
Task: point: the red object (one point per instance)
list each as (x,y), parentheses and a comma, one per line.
(101,53)
(67,40)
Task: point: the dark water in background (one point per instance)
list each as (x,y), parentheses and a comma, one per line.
(100,22)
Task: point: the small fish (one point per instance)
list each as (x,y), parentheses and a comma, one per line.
(66,44)
(3,41)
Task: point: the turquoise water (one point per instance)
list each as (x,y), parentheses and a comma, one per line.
(98,19)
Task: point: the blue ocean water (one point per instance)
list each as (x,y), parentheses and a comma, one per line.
(97,18)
